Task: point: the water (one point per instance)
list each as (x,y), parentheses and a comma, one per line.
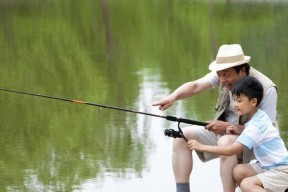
(125,54)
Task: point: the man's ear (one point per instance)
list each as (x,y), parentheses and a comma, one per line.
(243,71)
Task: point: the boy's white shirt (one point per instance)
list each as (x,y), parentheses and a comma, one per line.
(269,148)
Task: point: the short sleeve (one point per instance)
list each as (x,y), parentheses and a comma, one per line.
(212,77)
(269,103)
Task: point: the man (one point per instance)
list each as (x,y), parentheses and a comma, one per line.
(229,67)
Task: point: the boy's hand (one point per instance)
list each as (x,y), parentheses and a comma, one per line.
(194,144)
(233,130)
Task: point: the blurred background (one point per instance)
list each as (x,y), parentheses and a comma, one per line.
(126,54)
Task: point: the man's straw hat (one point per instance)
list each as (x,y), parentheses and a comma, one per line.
(229,56)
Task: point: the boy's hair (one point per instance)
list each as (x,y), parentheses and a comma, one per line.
(250,87)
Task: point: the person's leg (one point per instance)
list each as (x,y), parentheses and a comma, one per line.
(182,163)
(182,160)
(252,184)
(227,164)
(241,171)
(274,179)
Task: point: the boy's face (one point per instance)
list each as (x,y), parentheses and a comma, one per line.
(243,105)
(228,77)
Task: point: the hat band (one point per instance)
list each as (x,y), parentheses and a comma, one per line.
(231,59)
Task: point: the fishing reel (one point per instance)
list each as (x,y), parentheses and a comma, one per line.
(172,133)
(175,134)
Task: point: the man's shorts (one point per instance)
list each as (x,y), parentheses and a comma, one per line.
(210,138)
(205,137)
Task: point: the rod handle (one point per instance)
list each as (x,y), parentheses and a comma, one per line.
(188,121)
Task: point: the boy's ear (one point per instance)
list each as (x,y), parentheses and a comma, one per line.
(254,102)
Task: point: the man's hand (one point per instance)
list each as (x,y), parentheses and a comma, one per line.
(217,126)
(165,103)
(194,145)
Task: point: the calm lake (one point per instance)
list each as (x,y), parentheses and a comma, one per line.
(126,54)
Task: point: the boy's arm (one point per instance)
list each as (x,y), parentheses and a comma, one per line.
(235,148)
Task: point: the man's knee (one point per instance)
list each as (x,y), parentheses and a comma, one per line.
(180,145)
(191,132)
(227,140)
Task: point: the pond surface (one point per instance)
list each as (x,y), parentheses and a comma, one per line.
(123,54)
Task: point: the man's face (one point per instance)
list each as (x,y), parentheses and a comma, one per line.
(228,77)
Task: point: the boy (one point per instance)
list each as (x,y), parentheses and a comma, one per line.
(270,172)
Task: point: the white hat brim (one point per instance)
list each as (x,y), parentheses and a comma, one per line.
(218,67)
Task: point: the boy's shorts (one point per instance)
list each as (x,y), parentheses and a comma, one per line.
(274,179)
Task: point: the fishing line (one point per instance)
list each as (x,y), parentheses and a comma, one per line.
(169,118)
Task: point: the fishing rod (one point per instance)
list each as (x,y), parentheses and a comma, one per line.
(168,132)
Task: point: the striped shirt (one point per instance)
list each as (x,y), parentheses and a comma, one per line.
(259,134)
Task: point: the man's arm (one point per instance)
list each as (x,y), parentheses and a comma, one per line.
(235,148)
(186,90)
